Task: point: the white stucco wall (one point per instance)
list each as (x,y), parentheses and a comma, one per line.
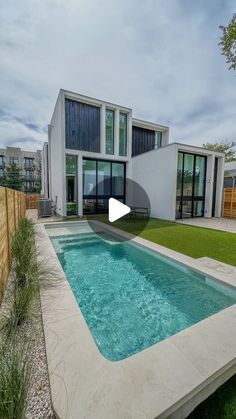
(211,155)
(56,150)
(44,172)
(156,172)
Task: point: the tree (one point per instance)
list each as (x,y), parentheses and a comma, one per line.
(228,42)
(12,178)
(37,181)
(223,147)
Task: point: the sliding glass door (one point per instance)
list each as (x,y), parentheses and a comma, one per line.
(191,180)
(102,179)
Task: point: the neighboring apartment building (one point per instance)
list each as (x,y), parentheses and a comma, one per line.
(230,175)
(93,146)
(44,173)
(28,162)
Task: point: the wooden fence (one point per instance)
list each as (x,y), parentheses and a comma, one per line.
(32,200)
(230,202)
(12,209)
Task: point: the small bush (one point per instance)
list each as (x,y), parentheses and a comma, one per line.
(15,378)
(20,309)
(23,251)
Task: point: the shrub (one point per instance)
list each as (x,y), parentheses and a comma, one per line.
(23,252)
(20,308)
(15,379)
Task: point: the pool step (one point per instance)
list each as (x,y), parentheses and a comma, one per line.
(66,245)
(72,237)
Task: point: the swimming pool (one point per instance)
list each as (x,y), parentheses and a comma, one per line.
(130,296)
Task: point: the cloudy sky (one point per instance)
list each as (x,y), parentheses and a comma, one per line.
(159,57)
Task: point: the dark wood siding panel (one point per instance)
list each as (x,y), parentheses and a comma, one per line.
(143,140)
(82,126)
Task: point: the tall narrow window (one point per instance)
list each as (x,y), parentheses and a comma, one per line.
(158,139)
(191,180)
(123,135)
(109,132)
(71,185)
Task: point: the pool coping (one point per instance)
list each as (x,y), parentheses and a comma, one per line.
(168,379)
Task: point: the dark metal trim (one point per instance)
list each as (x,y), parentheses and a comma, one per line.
(105,196)
(192,197)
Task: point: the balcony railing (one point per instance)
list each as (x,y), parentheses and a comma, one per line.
(29,166)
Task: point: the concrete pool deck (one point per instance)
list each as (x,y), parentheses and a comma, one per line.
(168,379)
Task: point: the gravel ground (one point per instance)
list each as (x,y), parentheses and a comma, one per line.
(39,404)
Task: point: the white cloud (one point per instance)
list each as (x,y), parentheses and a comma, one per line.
(159,57)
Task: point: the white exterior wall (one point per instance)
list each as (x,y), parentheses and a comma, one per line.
(211,155)
(56,156)
(220,187)
(45,180)
(156,172)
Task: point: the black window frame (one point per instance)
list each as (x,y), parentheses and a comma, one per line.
(191,198)
(113,131)
(126,134)
(96,196)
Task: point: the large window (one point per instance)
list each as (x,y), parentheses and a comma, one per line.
(29,162)
(14,160)
(158,139)
(102,179)
(109,131)
(89,177)
(29,174)
(191,179)
(123,135)
(71,185)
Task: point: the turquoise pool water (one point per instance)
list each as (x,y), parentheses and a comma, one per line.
(132,297)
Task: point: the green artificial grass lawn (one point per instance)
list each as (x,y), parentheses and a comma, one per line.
(192,241)
(221,405)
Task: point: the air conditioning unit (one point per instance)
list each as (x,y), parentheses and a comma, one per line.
(44,208)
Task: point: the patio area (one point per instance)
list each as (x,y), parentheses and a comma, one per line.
(222,224)
(32,214)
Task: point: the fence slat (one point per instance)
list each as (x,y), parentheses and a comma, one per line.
(12,209)
(230,202)
(32,200)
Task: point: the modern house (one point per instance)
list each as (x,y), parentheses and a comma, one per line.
(230,175)
(29,163)
(93,146)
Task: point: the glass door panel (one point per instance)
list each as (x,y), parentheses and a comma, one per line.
(89,177)
(118,176)
(199,176)
(187,209)
(103,179)
(71,185)
(190,187)
(198,209)
(188,175)
(180,174)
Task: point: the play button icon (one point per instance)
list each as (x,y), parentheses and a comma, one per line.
(105,210)
(117,209)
